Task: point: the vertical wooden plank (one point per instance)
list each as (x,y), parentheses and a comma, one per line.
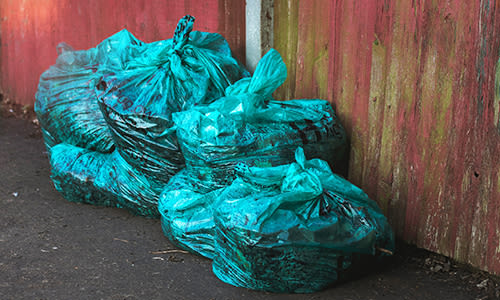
(286,22)
(496,104)
(231,21)
(488,156)
(354,36)
(385,95)
(311,77)
(414,84)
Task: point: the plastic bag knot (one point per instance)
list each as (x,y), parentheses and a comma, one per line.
(182,31)
(299,179)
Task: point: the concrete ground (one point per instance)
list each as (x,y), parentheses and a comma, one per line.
(54,249)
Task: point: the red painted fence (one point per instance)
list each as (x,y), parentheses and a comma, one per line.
(414,83)
(31,29)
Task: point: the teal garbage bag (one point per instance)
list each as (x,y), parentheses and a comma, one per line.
(66,104)
(248,126)
(74,171)
(106,179)
(166,77)
(186,208)
(131,189)
(292,228)
(244,126)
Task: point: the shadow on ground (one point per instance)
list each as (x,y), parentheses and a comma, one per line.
(54,249)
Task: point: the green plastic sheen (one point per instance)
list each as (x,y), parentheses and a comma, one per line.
(186,208)
(166,77)
(105,179)
(248,126)
(106,113)
(291,228)
(245,126)
(66,104)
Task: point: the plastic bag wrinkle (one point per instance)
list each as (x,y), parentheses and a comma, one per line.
(280,228)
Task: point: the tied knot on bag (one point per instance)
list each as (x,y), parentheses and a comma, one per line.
(256,92)
(182,31)
(299,179)
(173,64)
(171,59)
(242,108)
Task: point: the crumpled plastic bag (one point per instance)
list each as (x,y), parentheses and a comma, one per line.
(133,190)
(244,126)
(105,179)
(248,126)
(166,77)
(186,212)
(121,95)
(74,171)
(291,228)
(66,104)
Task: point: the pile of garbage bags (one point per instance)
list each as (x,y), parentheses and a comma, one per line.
(66,103)
(291,228)
(246,126)
(178,129)
(118,99)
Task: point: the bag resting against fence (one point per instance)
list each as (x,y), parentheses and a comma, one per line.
(248,126)
(168,76)
(66,104)
(82,175)
(291,228)
(245,126)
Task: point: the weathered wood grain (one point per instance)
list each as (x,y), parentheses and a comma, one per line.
(31,29)
(414,84)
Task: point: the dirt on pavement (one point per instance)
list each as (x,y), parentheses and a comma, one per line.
(54,249)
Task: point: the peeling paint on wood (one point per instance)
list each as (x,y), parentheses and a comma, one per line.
(31,29)
(416,84)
